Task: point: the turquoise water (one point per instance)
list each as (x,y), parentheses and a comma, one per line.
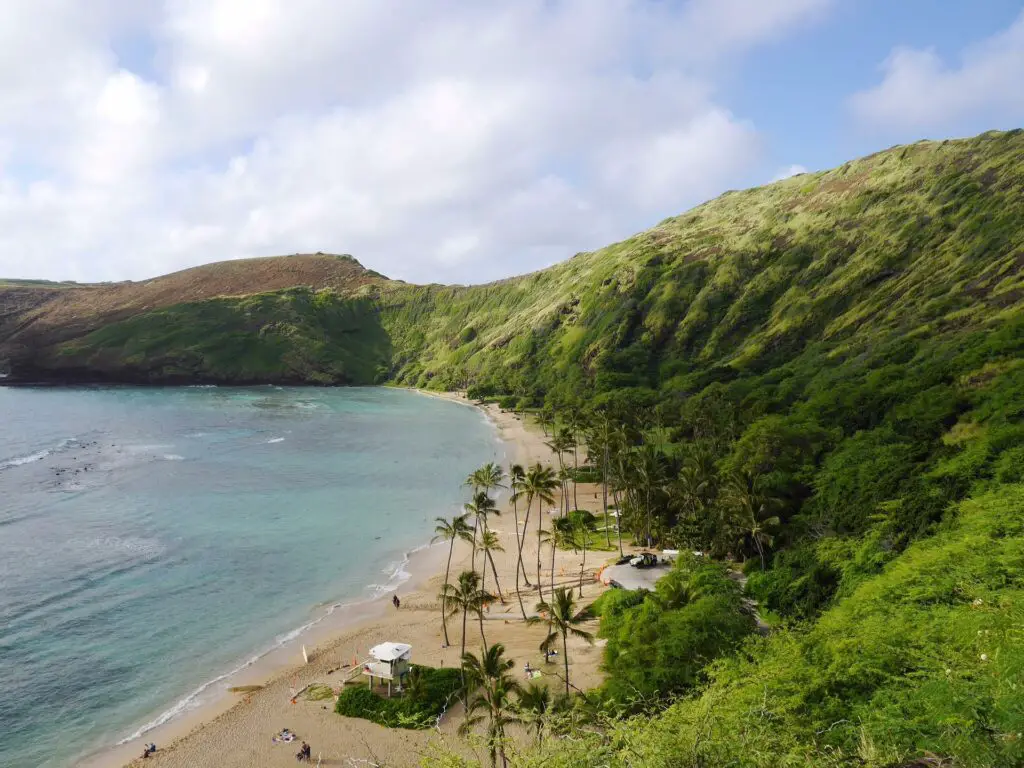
(152,540)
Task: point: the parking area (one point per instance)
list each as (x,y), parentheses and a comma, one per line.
(629,577)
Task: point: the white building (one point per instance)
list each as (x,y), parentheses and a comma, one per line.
(389,661)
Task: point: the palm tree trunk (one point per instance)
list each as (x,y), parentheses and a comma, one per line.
(526,525)
(618,519)
(494,570)
(648,516)
(583,564)
(519,545)
(604,497)
(565,658)
(553,549)
(480,615)
(540,526)
(465,610)
(575,469)
(444,594)
(472,556)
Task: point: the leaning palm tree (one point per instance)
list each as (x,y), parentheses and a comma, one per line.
(467,596)
(480,508)
(539,484)
(749,511)
(449,530)
(493,686)
(534,705)
(517,480)
(517,483)
(563,620)
(489,542)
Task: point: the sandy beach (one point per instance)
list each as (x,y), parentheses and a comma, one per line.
(237,730)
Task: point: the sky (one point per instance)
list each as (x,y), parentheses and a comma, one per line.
(451,140)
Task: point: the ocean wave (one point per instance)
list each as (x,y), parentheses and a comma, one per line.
(275,440)
(398,576)
(39,455)
(173,457)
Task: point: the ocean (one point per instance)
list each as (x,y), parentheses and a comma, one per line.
(153,540)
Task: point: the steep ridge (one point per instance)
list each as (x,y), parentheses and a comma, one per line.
(918,240)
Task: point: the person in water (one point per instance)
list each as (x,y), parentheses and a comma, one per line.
(396,602)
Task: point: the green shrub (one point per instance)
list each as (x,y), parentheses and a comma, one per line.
(427,693)
(660,643)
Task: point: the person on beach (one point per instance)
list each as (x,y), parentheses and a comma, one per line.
(396,602)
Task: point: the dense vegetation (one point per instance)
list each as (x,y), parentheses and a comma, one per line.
(295,335)
(660,643)
(427,694)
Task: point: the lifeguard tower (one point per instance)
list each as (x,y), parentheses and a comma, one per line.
(388,661)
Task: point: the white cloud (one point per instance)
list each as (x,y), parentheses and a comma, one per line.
(789,170)
(921,92)
(443,141)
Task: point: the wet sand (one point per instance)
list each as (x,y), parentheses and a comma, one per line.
(237,729)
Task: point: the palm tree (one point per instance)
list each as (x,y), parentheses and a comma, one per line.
(517,482)
(574,423)
(480,507)
(539,484)
(535,704)
(486,478)
(546,418)
(581,524)
(551,537)
(599,448)
(468,597)
(619,468)
(449,530)
(650,472)
(489,542)
(493,687)
(749,509)
(563,620)
(559,444)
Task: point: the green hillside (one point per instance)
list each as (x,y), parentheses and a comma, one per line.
(917,241)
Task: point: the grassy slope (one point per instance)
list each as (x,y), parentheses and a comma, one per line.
(917,240)
(924,240)
(925,656)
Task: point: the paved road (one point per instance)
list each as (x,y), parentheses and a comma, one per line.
(635,578)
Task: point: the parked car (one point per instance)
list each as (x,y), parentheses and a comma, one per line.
(644,560)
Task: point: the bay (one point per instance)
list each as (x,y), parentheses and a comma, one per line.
(154,539)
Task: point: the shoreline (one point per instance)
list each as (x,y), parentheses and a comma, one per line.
(331,645)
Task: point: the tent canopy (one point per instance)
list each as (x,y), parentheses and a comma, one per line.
(390,651)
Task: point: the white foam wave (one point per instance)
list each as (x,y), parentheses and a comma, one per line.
(183,705)
(398,576)
(18,461)
(275,440)
(173,457)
